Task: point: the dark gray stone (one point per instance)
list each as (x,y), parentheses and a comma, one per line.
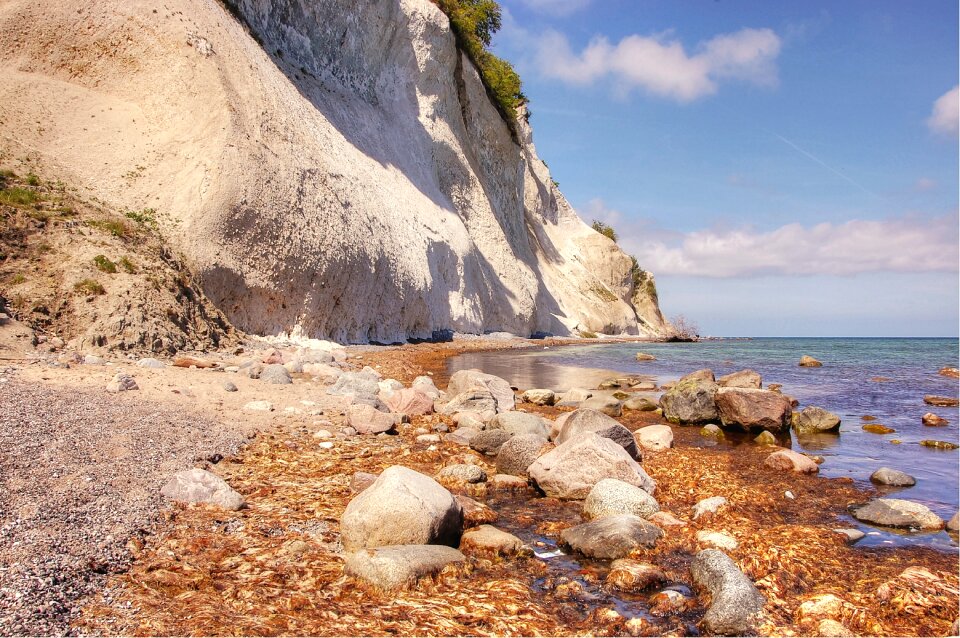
(612,537)
(588,420)
(518,453)
(489,441)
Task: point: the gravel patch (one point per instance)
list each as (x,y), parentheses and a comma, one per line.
(81,473)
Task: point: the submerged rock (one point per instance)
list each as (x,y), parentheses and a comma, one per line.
(588,420)
(691,400)
(932,420)
(889,476)
(610,497)
(813,420)
(644,356)
(392,567)
(753,409)
(949,372)
(201,486)
(940,445)
(736,603)
(612,536)
(806,361)
(877,428)
(893,512)
(633,575)
(943,402)
(954,523)
(489,540)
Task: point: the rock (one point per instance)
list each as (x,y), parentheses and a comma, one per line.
(708,506)
(939,445)
(813,420)
(633,575)
(185,361)
(361,481)
(806,361)
(229,386)
(821,606)
(643,356)
(735,602)
(507,483)
(717,540)
(894,512)
(558,424)
(655,437)
(639,404)
(668,602)
(877,428)
(943,402)
(608,405)
(574,397)
(364,383)
(425,385)
(518,453)
(609,384)
(201,486)
(712,431)
(474,420)
(366,419)
(294,367)
(665,519)
(828,627)
(889,476)
(474,512)
(428,438)
(611,536)
(954,524)
(466,380)
(409,402)
(402,507)
(540,397)
(765,438)
(122,383)
(461,436)
(388,387)
(644,386)
(463,472)
(690,401)
(393,567)
(949,372)
(753,409)
(704,374)
(150,362)
(792,461)
(741,379)
(489,442)
(852,534)
(490,541)
(258,406)
(572,469)
(588,420)
(276,374)
(520,423)
(932,420)
(611,497)
(476,401)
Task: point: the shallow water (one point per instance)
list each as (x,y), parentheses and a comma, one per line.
(843,385)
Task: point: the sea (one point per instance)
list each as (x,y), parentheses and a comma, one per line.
(885,378)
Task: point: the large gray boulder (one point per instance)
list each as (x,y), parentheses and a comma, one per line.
(572,469)
(476,400)
(741,379)
(606,404)
(518,454)
(393,567)
(735,602)
(515,422)
(466,380)
(573,397)
(588,420)
(814,420)
(895,512)
(690,401)
(366,382)
(277,374)
(611,537)
(201,486)
(402,507)
(610,497)
(754,409)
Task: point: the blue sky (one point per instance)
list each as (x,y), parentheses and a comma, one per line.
(782,168)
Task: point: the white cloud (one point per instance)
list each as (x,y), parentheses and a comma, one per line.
(945,118)
(908,244)
(660,65)
(556,7)
(924,184)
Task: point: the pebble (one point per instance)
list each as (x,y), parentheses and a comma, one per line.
(229,386)
(708,506)
(717,539)
(259,406)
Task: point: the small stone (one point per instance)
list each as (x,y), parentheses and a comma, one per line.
(828,627)
(712,431)
(932,420)
(633,575)
(942,402)
(806,361)
(765,438)
(654,437)
(489,540)
(852,534)
(366,419)
(230,386)
(716,539)
(122,383)
(665,519)
(940,445)
(608,405)
(474,512)
(507,483)
(790,460)
(150,362)
(361,481)
(201,486)
(889,476)
(258,406)
(708,506)
(463,472)
(877,428)
(428,438)
(276,374)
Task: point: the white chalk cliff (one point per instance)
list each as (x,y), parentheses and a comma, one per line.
(325,166)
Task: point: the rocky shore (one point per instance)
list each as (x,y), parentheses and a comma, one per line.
(374,494)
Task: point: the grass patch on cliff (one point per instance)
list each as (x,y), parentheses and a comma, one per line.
(103,264)
(89,287)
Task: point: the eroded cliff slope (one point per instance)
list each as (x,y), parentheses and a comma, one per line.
(329,167)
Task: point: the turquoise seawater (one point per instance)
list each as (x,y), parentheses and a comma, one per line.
(844,385)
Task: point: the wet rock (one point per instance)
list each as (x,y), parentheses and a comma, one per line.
(708,506)
(665,519)
(741,379)
(828,627)
(932,420)
(639,404)
(608,405)
(518,454)
(655,437)
(691,400)
(476,401)
(539,397)
(806,361)
(489,541)
(474,512)
(122,383)
(633,575)
(409,402)
(939,445)
(463,472)
(765,438)
(150,362)
(397,566)
(201,486)
(788,460)
(717,540)
(889,476)
(465,380)
(893,512)
(643,356)
(489,442)
(813,420)
(949,372)
(669,602)
(515,423)
(588,420)
(230,386)
(943,402)
(954,524)
(574,397)
(644,386)
(461,436)
(877,428)
(507,483)
(401,507)
(366,419)
(704,374)
(753,409)
(736,603)
(712,431)
(572,469)
(612,536)
(361,481)
(852,534)
(611,497)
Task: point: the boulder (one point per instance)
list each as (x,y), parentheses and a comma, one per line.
(753,409)
(741,379)
(392,567)
(806,361)
(574,397)
(655,437)
(150,362)
(735,602)
(466,380)
(889,476)
(572,469)
(932,420)
(201,486)
(364,383)
(588,420)
(894,512)
(557,426)
(489,442)
(426,386)
(792,461)
(814,420)
(402,507)
(643,356)
(633,575)
(539,397)
(611,497)
(606,404)
(122,383)
(518,453)
(461,436)
(366,419)
(611,537)
(476,401)
(690,401)
(276,374)
(639,404)
(954,524)
(409,401)
(943,402)
(520,423)
(463,472)
(489,541)
(474,512)
(717,540)
(708,506)
(712,431)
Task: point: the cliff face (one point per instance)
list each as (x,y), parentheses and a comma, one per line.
(325,167)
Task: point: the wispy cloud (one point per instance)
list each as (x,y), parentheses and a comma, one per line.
(945,118)
(906,244)
(924,184)
(556,7)
(659,64)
